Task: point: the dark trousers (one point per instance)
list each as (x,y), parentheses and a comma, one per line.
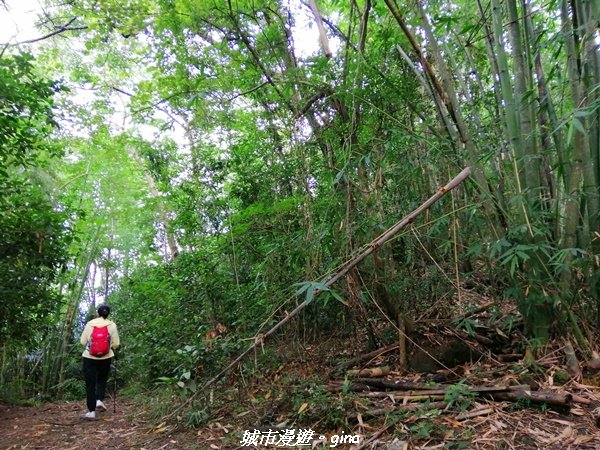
(95,372)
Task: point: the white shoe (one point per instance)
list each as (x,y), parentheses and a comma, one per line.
(91,415)
(100,406)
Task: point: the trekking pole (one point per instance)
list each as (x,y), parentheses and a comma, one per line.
(115,388)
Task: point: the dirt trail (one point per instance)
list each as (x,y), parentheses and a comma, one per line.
(59,426)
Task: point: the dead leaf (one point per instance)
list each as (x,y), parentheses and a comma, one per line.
(302,408)
(453,422)
(578,412)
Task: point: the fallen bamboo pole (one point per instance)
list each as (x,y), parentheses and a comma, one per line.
(367,356)
(372,372)
(400,408)
(475,413)
(442,390)
(552,398)
(344,270)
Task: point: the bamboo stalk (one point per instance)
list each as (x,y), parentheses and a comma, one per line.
(524,111)
(322,34)
(344,270)
(580,150)
(401,408)
(549,397)
(367,356)
(475,413)
(410,386)
(371,372)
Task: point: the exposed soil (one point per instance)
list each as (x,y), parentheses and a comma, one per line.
(59,426)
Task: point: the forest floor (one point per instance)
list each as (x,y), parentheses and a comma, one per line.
(488,392)
(59,426)
(487,424)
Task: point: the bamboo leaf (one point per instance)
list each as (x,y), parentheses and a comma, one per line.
(570,133)
(577,123)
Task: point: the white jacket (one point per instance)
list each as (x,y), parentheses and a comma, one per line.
(87,333)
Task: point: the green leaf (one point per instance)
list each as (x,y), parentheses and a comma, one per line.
(166,379)
(577,123)
(338,297)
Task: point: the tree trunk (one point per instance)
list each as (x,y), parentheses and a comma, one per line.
(524,110)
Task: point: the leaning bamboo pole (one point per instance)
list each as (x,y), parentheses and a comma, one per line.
(342,272)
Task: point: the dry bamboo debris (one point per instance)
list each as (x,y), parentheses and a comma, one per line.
(408,407)
(474,413)
(442,391)
(366,385)
(351,387)
(563,399)
(370,373)
(366,357)
(372,247)
(399,385)
(415,392)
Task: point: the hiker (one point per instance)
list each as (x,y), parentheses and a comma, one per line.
(100,337)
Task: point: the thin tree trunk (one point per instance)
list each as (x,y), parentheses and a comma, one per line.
(447,92)
(73,307)
(508,101)
(322,34)
(590,61)
(524,110)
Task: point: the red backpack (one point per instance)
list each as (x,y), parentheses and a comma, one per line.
(100,341)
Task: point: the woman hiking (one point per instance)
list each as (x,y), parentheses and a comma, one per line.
(99,338)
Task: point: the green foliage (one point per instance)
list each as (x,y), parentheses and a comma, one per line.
(466,324)
(34,241)
(71,389)
(315,404)
(459,396)
(281,166)
(26,118)
(422,429)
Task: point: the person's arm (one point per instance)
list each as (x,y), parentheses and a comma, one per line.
(115,341)
(85,336)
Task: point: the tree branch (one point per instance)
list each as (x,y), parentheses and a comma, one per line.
(59,30)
